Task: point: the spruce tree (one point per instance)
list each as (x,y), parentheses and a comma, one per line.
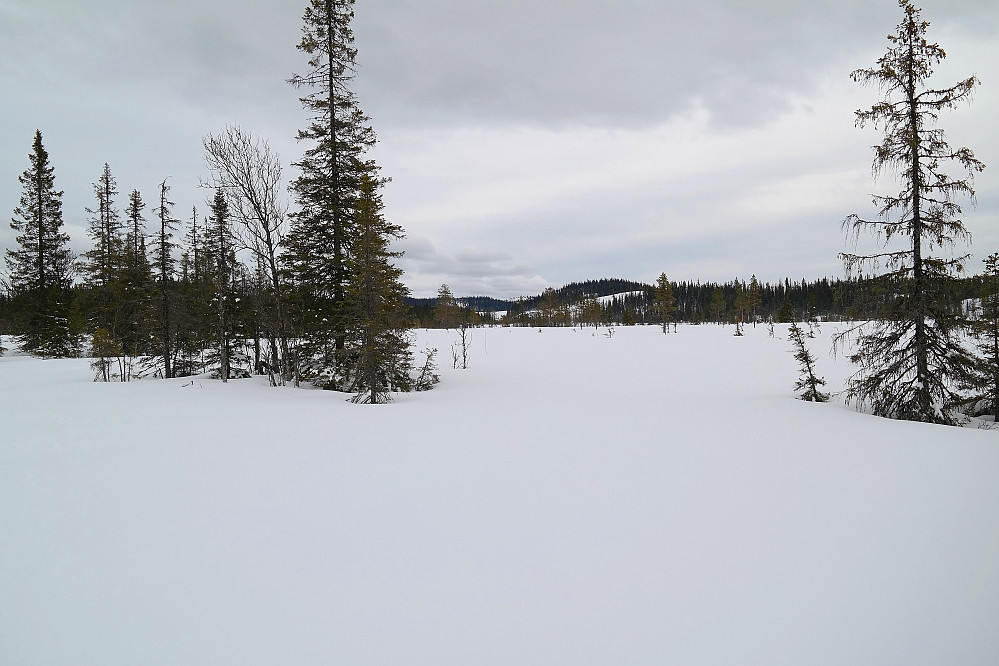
(223,300)
(138,289)
(754,298)
(192,313)
(136,235)
(808,383)
(379,343)
(320,241)
(665,302)
(446,310)
(41,267)
(165,268)
(911,356)
(104,263)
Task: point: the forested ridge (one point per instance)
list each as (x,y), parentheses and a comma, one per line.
(631,302)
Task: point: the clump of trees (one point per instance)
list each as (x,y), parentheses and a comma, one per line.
(310,296)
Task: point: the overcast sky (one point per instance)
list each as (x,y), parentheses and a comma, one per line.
(530,142)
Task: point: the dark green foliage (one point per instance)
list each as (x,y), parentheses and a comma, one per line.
(808,383)
(785,314)
(447,312)
(137,286)
(53,324)
(754,299)
(590,313)
(912,358)
(101,263)
(379,360)
(40,268)
(665,302)
(740,306)
(42,260)
(105,264)
(165,267)
(319,244)
(221,260)
(107,357)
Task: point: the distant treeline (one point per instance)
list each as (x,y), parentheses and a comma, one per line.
(592,302)
(628,302)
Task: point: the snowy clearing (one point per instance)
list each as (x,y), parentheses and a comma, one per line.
(571,498)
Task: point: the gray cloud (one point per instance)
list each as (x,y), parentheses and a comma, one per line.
(611,63)
(530,142)
(471,271)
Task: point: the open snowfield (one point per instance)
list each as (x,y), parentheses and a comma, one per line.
(569,499)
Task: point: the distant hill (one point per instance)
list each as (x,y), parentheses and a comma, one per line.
(604,287)
(570,293)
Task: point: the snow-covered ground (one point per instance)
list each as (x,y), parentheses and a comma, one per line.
(571,498)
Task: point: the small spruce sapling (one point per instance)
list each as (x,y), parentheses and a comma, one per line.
(808,383)
(428,377)
(464,340)
(813,321)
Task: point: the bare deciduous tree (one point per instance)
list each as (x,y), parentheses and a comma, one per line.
(245,170)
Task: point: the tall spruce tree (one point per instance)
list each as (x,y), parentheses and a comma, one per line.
(221,254)
(165,267)
(320,241)
(138,291)
(136,235)
(41,267)
(104,263)
(193,311)
(911,356)
(379,342)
